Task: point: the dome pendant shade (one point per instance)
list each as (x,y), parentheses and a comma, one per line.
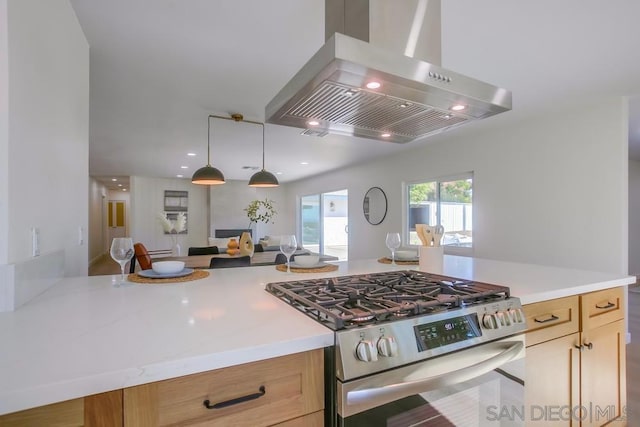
(263,179)
(208,175)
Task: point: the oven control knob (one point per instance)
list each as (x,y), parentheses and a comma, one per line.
(490,321)
(366,351)
(503,318)
(516,315)
(387,346)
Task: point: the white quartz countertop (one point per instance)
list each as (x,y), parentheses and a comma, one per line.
(85,336)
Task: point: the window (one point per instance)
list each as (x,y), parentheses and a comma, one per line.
(447,202)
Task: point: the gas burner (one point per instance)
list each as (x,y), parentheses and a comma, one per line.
(351,301)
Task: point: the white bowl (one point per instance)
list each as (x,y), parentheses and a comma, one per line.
(167,267)
(306,260)
(406,255)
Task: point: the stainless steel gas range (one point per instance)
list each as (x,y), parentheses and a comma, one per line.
(414,348)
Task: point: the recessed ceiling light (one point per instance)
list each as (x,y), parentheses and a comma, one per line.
(405,105)
(304,163)
(124,189)
(119,185)
(313,123)
(373,85)
(113,179)
(184,167)
(191,154)
(278,173)
(179,176)
(458,107)
(447,116)
(385,135)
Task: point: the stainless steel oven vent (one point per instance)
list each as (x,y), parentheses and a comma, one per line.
(414,99)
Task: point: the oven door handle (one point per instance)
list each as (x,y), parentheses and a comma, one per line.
(392,392)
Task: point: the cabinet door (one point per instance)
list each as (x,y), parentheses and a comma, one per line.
(603,374)
(552,383)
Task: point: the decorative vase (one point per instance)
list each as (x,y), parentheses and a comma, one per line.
(246,244)
(232,247)
(175,247)
(176,250)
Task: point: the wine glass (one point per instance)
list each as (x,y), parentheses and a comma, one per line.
(121,252)
(393,243)
(288,246)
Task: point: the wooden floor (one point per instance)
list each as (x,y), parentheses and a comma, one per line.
(106,265)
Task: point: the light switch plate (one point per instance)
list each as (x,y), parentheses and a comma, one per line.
(35,241)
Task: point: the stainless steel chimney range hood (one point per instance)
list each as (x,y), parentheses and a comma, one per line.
(414,99)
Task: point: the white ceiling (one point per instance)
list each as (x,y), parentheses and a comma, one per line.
(160,67)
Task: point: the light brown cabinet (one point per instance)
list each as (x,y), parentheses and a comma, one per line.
(576,360)
(98,410)
(286,390)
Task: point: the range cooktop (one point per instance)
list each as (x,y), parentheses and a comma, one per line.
(350,301)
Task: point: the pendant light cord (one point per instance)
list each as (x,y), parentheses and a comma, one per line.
(209,141)
(236,118)
(262,146)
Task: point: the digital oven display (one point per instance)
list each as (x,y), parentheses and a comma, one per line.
(444,332)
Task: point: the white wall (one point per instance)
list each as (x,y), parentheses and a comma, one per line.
(229,200)
(575,161)
(147,201)
(96,235)
(47,156)
(4,136)
(634,218)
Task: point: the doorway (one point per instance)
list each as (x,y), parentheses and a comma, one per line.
(116,219)
(324,220)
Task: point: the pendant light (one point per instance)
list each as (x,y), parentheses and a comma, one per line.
(263,178)
(208,175)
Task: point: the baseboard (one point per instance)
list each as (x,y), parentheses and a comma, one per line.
(98,259)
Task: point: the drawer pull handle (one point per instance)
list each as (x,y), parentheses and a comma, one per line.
(235,401)
(550,319)
(589,345)
(609,305)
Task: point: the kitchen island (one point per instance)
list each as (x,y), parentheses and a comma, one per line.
(86,336)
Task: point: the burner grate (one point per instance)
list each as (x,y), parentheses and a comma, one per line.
(351,301)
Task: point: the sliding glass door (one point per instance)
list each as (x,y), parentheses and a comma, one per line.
(324,223)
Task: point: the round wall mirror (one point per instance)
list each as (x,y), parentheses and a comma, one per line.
(374,205)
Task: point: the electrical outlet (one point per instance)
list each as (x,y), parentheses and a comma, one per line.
(35,241)
(80,236)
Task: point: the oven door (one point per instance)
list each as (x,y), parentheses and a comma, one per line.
(480,386)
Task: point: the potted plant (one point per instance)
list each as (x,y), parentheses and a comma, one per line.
(173,228)
(257,211)
(260,211)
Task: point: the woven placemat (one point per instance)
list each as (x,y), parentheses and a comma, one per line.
(323,269)
(385,260)
(197,274)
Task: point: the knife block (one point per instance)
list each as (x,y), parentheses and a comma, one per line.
(431,259)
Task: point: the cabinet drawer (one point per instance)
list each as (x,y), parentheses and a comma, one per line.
(293,387)
(98,410)
(312,420)
(602,307)
(551,319)
(64,414)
